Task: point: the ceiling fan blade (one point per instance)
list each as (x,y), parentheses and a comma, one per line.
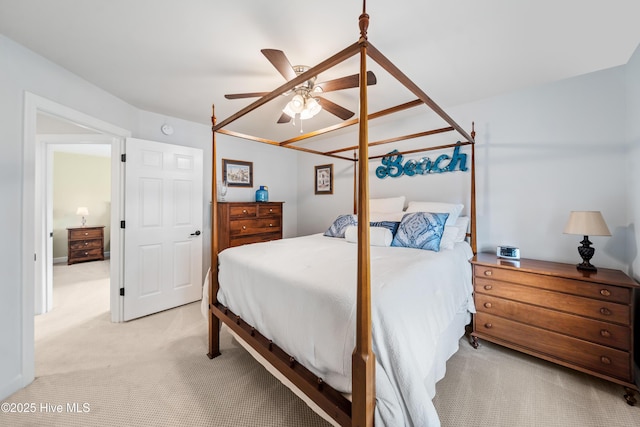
(346,82)
(280,61)
(246,95)
(334,108)
(284,118)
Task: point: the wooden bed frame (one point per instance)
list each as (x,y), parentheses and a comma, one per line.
(360,410)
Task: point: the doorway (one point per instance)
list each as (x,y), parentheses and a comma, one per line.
(77,179)
(34,236)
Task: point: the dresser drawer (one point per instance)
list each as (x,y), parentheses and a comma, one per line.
(254,226)
(269,210)
(598,358)
(246,211)
(83,234)
(593,308)
(600,332)
(85,254)
(604,292)
(85,244)
(254,238)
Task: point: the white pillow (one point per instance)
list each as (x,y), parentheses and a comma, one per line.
(462,224)
(453,209)
(449,236)
(386,216)
(390,204)
(378,236)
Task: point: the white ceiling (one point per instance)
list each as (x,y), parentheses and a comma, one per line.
(176,58)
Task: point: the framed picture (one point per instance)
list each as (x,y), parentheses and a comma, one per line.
(237,173)
(324,179)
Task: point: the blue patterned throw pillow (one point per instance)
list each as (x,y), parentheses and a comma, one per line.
(339,226)
(391,225)
(421,230)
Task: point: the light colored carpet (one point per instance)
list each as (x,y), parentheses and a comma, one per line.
(154,372)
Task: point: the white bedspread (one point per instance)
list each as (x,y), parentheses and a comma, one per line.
(301,292)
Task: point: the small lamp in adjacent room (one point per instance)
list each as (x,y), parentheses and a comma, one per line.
(586,223)
(82,211)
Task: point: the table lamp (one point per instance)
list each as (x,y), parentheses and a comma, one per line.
(586,223)
(82,211)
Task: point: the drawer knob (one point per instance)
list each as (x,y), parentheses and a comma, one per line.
(244,211)
(605,360)
(270,225)
(488,272)
(605,311)
(86,234)
(86,243)
(488,287)
(487,305)
(605,333)
(488,325)
(605,292)
(270,210)
(244,227)
(86,253)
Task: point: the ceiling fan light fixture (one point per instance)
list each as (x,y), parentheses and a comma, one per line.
(311,108)
(302,105)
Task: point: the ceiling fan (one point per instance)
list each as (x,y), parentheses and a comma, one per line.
(306,101)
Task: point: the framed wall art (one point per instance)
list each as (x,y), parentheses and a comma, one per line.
(237,173)
(324,179)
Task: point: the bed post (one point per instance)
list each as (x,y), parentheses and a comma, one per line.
(474,236)
(363,360)
(214,322)
(355,183)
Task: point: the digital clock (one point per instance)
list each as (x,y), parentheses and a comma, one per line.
(509,252)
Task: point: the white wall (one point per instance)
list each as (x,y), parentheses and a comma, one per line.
(633,137)
(540,153)
(23,71)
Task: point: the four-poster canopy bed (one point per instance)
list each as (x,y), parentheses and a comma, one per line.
(359,410)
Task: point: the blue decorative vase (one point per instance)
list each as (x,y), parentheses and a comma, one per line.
(262,195)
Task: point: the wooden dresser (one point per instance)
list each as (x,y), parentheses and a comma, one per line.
(85,244)
(556,312)
(240,223)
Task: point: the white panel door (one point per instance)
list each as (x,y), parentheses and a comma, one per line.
(163,223)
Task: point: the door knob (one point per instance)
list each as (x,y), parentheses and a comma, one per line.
(197,233)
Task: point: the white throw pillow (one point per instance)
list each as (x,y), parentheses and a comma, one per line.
(378,236)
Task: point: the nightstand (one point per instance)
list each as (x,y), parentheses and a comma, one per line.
(85,244)
(581,320)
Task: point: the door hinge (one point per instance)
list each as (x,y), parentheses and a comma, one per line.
(121,292)
(123,157)
(121,224)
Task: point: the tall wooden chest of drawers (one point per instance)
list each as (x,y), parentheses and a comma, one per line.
(85,244)
(240,223)
(581,320)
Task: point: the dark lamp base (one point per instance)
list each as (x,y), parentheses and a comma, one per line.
(586,253)
(585,266)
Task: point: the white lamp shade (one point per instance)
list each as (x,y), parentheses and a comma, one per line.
(82,211)
(586,223)
(297,104)
(306,107)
